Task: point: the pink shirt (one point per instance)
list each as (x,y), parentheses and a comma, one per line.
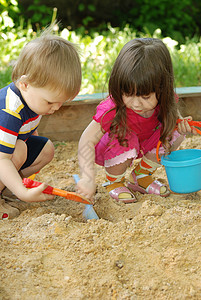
(142,127)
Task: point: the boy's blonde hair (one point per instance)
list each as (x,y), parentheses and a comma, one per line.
(50,61)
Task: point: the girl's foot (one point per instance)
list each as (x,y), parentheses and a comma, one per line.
(7,211)
(120,192)
(141,180)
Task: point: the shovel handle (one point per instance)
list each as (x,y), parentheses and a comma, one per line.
(29,183)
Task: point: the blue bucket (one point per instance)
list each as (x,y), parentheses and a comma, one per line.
(183,169)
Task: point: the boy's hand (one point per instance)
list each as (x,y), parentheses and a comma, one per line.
(36,194)
(184,128)
(86,188)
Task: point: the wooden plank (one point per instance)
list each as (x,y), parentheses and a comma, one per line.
(186,92)
(191,106)
(67,123)
(87,99)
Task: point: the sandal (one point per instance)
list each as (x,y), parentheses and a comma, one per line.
(7,211)
(153,188)
(117,190)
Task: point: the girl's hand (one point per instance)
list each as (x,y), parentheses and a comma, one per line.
(86,188)
(36,194)
(184,128)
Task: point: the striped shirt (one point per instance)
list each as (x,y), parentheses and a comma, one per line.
(17,120)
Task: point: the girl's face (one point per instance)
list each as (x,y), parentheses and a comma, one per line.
(141,105)
(42,101)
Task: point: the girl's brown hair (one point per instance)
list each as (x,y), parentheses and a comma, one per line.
(50,61)
(144,66)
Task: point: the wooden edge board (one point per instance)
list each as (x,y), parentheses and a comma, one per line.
(182,92)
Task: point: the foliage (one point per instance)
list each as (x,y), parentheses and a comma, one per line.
(39,13)
(174,18)
(98,53)
(12,41)
(8,10)
(187,64)
(177,19)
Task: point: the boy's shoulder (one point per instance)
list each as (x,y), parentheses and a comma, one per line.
(12,87)
(11,98)
(4,89)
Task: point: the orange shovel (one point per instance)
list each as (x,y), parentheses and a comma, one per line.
(29,183)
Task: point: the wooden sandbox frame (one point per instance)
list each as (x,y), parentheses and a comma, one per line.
(68,123)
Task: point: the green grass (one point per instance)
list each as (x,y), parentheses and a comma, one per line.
(5,76)
(99,52)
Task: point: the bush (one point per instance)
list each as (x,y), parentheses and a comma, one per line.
(177,19)
(98,53)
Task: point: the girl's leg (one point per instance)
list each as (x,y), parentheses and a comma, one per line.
(141,177)
(116,159)
(115,178)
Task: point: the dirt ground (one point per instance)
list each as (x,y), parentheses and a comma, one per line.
(145,250)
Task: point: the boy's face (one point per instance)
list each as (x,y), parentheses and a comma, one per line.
(42,101)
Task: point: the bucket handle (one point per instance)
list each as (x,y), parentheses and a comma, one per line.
(157,150)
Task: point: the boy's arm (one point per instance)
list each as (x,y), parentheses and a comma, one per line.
(10,177)
(86,156)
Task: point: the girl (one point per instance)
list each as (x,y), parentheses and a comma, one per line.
(140,110)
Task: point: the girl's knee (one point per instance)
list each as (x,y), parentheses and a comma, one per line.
(119,168)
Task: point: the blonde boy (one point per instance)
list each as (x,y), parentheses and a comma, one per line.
(46,74)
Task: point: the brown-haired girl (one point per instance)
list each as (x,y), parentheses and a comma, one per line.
(140,110)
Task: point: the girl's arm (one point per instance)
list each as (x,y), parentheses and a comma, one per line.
(10,177)
(86,156)
(184,128)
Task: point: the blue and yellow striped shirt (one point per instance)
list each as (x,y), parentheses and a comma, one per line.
(17,120)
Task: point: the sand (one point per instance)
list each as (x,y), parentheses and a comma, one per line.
(145,250)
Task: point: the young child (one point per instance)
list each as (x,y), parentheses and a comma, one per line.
(141,109)
(46,74)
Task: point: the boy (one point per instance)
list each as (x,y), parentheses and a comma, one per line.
(46,74)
